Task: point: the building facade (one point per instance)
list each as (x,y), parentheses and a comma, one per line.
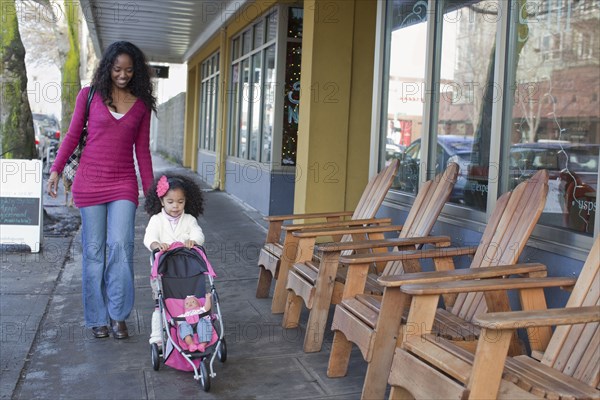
(291,106)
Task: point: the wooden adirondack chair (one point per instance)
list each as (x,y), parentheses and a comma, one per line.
(569,368)
(373,323)
(319,285)
(276,257)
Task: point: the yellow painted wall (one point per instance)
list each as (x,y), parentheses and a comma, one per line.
(335,104)
(359,127)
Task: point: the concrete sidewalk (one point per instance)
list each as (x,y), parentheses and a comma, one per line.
(47,353)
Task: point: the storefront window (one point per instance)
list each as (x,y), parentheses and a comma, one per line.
(252,82)
(244,108)
(404,80)
(254,88)
(234,110)
(268,104)
(209,85)
(291,106)
(556,111)
(466,96)
(255,97)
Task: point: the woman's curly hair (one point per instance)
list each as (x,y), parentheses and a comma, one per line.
(194,201)
(140,84)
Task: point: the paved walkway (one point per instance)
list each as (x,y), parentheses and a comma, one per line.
(45,352)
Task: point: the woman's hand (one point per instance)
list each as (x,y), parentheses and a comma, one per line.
(53,184)
(190,243)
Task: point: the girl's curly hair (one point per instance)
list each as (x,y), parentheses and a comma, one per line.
(194,201)
(139,85)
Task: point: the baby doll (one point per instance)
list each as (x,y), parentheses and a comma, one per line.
(203,327)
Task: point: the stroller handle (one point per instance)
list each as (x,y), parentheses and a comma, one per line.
(155,251)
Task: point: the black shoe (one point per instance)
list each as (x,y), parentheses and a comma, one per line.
(100,331)
(119,330)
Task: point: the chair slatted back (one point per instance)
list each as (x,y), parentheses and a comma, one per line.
(575,349)
(425,211)
(505,236)
(373,196)
(375,192)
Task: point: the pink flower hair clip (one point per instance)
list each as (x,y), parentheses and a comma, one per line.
(162,186)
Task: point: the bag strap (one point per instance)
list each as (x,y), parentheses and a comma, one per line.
(87,112)
(89,101)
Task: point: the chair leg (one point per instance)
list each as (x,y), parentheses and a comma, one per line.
(384,343)
(316,325)
(264,283)
(319,312)
(340,356)
(290,248)
(293,307)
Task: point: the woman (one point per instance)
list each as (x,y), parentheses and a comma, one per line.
(105,188)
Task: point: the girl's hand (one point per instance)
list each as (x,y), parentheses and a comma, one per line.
(163,247)
(53,184)
(190,243)
(159,246)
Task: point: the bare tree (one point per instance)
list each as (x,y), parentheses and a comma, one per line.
(16,126)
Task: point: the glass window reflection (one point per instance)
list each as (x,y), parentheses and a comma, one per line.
(555,113)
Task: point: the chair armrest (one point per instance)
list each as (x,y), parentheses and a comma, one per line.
(528,319)
(336,224)
(485,285)
(407,255)
(308,216)
(459,274)
(347,231)
(374,244)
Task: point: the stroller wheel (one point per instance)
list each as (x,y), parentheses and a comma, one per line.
(155,356)
(222,352)
(204,376)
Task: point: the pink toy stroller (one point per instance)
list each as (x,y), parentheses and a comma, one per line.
(181,272)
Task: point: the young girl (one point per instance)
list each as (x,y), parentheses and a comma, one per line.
(174,202)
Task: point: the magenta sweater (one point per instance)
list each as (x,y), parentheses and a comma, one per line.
(107,171)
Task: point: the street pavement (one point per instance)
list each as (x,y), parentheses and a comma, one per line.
(47,353)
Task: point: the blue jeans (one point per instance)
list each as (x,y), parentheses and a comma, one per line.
(203,329)
(108,290)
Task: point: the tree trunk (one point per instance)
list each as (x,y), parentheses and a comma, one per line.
(71,81)
(16,124)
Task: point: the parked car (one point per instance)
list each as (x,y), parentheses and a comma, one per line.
(47,134)
(450,148)
(573,183)
(573,180)
(393,150)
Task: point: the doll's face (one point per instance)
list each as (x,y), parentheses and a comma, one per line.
(191,302)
